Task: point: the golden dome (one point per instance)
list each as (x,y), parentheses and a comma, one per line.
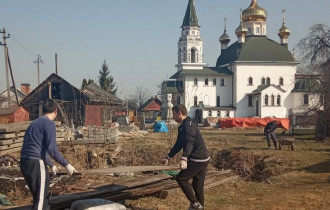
(254,12)
(284,31)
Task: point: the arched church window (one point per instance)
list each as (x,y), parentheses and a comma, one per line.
(195,100)
(222,82)
(250,81)
(195,81)
(219,114)
(266,100)
(206,81)
(268,81)
(249,30)
(210,113)
(279,100)
(281,82)
(272,100)
(214,81)
(306,99)
(263,81)
(193,56)
(178,100)
(218,101)
(257,30)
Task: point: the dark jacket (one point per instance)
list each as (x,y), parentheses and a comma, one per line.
(270,127)
(191,141)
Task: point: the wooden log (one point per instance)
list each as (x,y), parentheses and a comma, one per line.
(128,169)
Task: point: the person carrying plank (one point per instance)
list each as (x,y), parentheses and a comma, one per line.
(39,142)
(194,160)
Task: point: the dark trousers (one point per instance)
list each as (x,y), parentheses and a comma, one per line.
(196,171)
(37,178)
(273,137)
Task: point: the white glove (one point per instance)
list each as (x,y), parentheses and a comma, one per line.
(70,169)
(183,164)
(54,170)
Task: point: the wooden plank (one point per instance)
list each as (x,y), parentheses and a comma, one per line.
(129,169)
(7,135)
(3,152)
(11,141)
(10,146)
(65,201)
(13,128)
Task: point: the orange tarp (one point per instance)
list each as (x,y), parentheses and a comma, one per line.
(252,122)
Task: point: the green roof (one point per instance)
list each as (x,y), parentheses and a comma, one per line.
(306,85)
(172,86)
(255,48)
(260,88)
(204,71)
(190,18)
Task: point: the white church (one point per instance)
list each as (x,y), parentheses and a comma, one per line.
(253,77)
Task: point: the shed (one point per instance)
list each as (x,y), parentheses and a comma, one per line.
(151,109)
(13,114)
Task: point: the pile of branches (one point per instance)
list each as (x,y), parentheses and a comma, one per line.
(249,165)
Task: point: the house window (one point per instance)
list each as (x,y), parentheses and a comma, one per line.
(266,100)
(206,81)
(222,82)
(219,114)
(195,81)
(210,113)
(249,100)
(279,100)
(218,101)
(214,81)
(195,101)
(273,100)
(268,81)
(250,81)
(281,81)
(306,99)
(263,81)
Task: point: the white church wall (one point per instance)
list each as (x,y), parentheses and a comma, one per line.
(274,72)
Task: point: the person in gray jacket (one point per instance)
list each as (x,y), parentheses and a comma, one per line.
(194,160)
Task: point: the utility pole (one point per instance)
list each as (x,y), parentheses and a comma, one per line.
(38,61)
(4,44)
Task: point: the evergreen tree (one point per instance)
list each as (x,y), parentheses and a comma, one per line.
(106,80)
(90,81)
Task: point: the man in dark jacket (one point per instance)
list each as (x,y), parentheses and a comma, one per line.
(194,160)
(269,132)
(39,142)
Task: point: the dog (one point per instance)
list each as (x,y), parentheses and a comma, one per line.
(282,142)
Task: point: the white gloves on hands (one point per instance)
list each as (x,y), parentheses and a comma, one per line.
(70,169)
(54,170)
(165,161)
(183,164)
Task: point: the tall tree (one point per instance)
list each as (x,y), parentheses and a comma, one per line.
(84,83)
(315,51)
(106,80)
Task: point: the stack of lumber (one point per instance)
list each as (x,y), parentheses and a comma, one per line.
(11,136)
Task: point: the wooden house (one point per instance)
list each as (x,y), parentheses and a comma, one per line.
(151,109)
(90,106)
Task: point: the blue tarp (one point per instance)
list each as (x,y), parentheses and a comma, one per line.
(160,126)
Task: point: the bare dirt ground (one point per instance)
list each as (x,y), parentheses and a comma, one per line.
(273,179)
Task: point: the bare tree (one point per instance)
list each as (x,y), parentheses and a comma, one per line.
(315,51)
(140,96)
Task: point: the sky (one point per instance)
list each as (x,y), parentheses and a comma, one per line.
(137,38)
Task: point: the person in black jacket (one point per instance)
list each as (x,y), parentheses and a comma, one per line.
(194,160)
(269,132)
